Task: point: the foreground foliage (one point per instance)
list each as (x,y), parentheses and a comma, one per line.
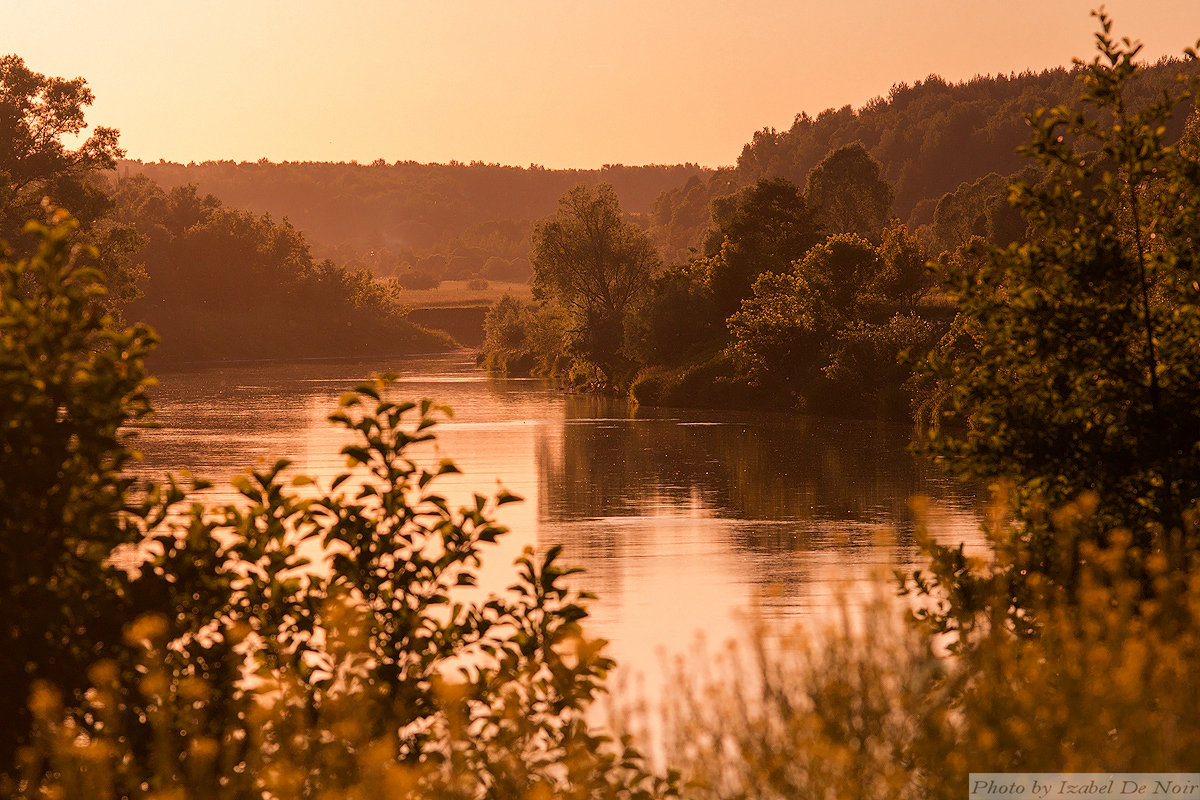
(871,707)
(249,668)
(70,379)
(1075,362)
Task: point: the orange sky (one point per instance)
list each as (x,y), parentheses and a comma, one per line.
(555,82)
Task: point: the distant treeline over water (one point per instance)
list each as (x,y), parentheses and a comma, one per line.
(449,219)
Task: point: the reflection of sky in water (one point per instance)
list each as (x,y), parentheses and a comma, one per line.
(680,518)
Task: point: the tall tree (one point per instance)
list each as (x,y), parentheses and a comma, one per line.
(596,264)
(762,228)
(36,114)
(847,194)
(1083,365)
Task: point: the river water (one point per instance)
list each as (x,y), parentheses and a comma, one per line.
(683,520)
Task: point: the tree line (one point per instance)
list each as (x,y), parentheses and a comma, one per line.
(417,222)
(805,291)
(929,138)
(217,282)
(800,299)
(430,222)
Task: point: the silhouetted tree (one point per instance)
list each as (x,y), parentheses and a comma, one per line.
(37,114)
(596,265)
(763,228)
(846,193)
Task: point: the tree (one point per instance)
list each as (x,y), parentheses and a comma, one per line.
(674,319)
(1080,365)
(833,332)
(783,333)
(978,209)
(590,260)
(129,624)
(904,276)
(36,114)
(847,194)
(762,228)
(843,272)
(219,282)
(777,337)
(72,385)
(524,339)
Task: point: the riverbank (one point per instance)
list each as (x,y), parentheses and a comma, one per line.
(196,334)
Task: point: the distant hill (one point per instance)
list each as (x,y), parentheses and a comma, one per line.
(929,138)
(424,223)
(447,221)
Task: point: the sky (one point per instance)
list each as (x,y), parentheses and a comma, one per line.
(560,83)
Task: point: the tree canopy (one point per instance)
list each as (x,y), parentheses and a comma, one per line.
(828,333)
(596,264)
(1076,364)
(36,114)
(762,228)
(847,194)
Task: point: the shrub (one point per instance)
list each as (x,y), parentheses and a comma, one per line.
(250,670)
(525,339)
(1079,364)
(72,384)
(418,279)
(872,707)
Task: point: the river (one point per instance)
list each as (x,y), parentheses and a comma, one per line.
(682,519)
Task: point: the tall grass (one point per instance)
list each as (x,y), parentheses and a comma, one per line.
(876,706)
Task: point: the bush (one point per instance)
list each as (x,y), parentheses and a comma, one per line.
(525,339)
(415,279)
(711,382)
(873,707)
(72,384)
(249,671)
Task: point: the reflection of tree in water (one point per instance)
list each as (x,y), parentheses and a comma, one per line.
(734,466)
(821,470)
(777,487)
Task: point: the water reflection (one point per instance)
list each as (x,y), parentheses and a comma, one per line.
(679,518)
(763,495)
(610,460)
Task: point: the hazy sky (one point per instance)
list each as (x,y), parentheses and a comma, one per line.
(554,82)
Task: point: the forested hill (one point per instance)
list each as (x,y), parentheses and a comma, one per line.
(393,216)
(424,222)
(928,138)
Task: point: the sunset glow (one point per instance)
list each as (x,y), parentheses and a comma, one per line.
(547,82)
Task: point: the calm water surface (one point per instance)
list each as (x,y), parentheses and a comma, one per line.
(682,519)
